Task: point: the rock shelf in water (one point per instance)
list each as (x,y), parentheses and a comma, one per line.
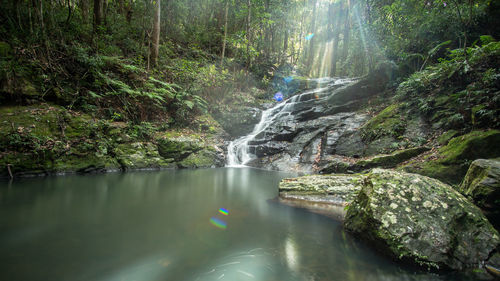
(410,217)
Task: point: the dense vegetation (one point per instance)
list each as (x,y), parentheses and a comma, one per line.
(167,65)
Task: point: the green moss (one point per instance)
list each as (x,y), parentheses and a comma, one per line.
(446,137)
(389,161)
(205,158)
(451,162)
(387,122)
(178,148)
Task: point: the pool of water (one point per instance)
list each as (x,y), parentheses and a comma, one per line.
(167,225)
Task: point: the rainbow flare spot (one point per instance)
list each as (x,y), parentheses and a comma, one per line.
(309,36)
(218,223)
(278,96)
(224,211)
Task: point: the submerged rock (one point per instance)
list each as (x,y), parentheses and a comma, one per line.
(326,194)
(421,220)
(482,185)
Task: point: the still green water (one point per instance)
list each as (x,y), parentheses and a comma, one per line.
(156,226)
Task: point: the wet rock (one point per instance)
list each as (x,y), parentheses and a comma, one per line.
(268,148)
(239,122)
(421,220)
(482,185)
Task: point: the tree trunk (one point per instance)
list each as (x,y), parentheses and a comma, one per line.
(156,35)
(335,48)
(310,58)
(347,28)
(285,45)
(249,35)
(225,34)
(84,7)
(98,14)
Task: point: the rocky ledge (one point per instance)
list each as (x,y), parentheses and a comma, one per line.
(410,217)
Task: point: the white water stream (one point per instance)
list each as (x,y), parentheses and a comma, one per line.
(239,154)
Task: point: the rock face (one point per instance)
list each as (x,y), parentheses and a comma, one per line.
(48,139)
(380,161)
(239,122)
(482,185)
(421,220)
(450,162)
(303,132)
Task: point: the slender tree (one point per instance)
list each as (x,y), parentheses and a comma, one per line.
(155,44)
(225,34)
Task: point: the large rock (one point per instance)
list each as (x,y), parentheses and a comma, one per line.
(379,161)
(141,155)
(208,157)
(178,148)
(421,220)
(482,184)
(240,121)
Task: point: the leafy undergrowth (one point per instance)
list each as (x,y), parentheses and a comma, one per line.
(461,92)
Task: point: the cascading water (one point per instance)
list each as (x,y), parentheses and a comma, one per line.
(239,150)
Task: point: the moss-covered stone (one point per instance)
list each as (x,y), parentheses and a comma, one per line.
(388,161)
(205,158)
(141,155)
(48,139)
(482,185)
(387,122)
(446,137)
(421,220)
(178,148)
(450,162)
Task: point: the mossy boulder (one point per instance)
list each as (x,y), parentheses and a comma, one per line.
(389,160)
(178,148)
(387,123)
(482,185)
(421,220)
(141,155)
(380,161)
(208,157)
(450,162)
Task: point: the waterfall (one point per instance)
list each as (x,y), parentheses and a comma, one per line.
(240,151)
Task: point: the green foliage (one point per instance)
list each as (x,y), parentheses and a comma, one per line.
(461,91)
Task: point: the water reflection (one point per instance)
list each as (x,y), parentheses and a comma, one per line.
(156,226)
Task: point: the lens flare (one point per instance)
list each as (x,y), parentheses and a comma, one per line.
(218,223)
(278,96)
(224,211)
(309,36)
(288,79)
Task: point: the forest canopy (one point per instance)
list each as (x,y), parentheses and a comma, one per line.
(177,56)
